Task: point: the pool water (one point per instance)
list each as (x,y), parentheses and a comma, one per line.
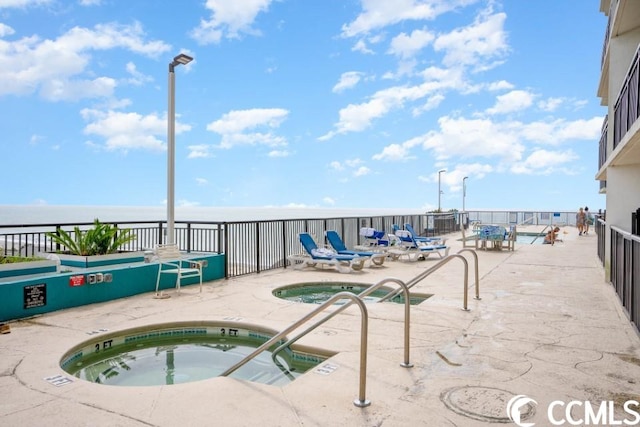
(317,293)
(529,238)
(182,356)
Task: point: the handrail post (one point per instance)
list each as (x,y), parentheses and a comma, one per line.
(477,274)
(361,401)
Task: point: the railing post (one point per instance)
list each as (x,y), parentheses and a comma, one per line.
(159,233)
(189,246)
(258,246)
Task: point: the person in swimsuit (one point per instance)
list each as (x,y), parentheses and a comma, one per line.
(581,220)
(551,236)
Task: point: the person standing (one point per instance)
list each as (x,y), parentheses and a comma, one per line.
(581,219)
(587,218)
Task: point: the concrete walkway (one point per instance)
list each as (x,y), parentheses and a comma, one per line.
(547,327)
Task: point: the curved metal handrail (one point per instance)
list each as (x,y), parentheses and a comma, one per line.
(477,274)
(407,312)
(435,267)
(361,401)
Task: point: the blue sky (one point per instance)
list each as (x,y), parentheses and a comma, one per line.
(325,104)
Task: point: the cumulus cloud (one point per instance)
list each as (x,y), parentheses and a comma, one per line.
(516,100)
(406,46)
(543,162)
(347,81)
(126,131)
(237,127)
(378,14)
(229,19)
(475,44)
(199,151)
(56,68)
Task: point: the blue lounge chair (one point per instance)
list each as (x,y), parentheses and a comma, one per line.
(374,237)
(419,238)
(414,248)
(338,244)
(316,256)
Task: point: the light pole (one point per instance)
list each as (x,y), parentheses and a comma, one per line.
(439,191)
(464,191)
(171,146)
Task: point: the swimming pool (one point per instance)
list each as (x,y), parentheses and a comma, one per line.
(529,238)
(169,354)
(319,292)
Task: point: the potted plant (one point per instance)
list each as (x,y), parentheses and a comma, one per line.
(94,247)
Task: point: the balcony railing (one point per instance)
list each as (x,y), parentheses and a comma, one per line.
(602,155)
(626,106)
(625,272)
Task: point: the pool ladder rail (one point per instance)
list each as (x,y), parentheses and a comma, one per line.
(362,401)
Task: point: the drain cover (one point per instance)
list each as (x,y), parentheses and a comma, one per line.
(483,403)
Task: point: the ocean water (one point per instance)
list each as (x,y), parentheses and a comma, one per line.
(45,214)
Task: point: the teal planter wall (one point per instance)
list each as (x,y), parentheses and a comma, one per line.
(27,297)
(27,268)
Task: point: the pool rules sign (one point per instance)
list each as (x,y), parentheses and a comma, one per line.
(35,295)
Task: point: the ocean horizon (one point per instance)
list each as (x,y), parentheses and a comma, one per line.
(48,214)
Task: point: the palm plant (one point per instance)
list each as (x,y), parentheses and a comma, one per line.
(102,239)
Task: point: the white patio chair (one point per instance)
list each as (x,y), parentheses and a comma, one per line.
(171,259)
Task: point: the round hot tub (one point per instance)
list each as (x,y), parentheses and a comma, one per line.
(319,292)
(175,353)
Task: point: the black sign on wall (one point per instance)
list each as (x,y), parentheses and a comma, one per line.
(35,295)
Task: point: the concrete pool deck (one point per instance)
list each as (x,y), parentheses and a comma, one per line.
(547,327)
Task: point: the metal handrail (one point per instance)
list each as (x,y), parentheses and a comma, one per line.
(407,312)
(361,401)
(435,267)
(477,273)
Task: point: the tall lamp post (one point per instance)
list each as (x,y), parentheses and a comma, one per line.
(439,190)
(464,191)
(171,146)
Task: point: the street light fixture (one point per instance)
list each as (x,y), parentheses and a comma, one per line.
(171,146)
(464,191)
(439,190)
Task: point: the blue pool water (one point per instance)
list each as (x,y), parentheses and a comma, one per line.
(319,292)
(176,355)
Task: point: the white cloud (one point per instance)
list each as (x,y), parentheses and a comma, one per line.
(279,153)
(406,46)
(202,181)
(6,30)
(394,152)
(361,46)
(233,127)
(56,68)
(347,81)
(550,104)
(126,131)
(5,4)
(335,165)
(328,201)
(90,2)
(229,19)
(516,100)
(485,39)
(137,78)
(358,117)
(378,14)
(199,151)
(543,162)
(362,171)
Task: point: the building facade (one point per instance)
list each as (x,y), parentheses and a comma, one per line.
(619,168)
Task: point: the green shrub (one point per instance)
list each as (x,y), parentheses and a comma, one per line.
(102,239)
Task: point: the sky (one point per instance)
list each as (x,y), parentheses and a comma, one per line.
(292,103)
